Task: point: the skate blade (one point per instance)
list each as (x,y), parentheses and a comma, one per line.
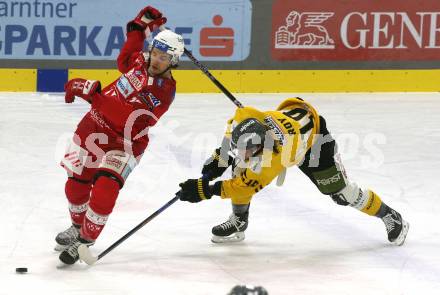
(402,236)
(235,237)
(62,265)
(60,248)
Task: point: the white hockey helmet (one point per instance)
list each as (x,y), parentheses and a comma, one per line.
(171,43)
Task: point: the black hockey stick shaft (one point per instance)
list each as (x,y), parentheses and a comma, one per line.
(205,70)
(138,227)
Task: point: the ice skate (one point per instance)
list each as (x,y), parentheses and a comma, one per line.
(65,238)
(70,254)
(397,228)
(232,230)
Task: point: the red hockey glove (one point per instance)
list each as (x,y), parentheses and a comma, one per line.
(148,17)
(82,88)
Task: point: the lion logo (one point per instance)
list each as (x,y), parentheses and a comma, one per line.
(304,31)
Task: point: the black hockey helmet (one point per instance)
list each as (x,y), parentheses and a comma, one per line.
(248,137)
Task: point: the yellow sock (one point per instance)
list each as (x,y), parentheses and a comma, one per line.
(373,204)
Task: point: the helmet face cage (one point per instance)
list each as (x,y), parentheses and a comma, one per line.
(249,145)
(248,139)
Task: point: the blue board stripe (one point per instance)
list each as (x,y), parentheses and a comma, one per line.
(51,80)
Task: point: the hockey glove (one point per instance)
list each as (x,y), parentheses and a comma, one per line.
(215,166)
(149,17)
(195,190)
(82,88)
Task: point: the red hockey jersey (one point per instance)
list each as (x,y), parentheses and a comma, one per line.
(135,100)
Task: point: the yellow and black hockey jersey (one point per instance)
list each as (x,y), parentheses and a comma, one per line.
(293,126)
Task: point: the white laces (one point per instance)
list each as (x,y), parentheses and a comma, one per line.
(390,222)
(232,221)
(73,249)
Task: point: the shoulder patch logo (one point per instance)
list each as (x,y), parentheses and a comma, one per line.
(159,82)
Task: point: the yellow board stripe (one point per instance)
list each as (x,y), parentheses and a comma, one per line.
(18,80)
(260,81)
(288,81)
(105,76)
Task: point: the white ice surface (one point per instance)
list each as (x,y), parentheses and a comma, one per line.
(298,241)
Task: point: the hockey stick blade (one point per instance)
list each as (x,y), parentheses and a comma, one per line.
(86,256)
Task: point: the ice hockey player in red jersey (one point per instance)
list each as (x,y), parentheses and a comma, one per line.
(111,138)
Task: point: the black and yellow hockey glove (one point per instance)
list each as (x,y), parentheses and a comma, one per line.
(196,190)
(216,165)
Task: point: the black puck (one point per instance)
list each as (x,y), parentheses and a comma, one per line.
(21,270)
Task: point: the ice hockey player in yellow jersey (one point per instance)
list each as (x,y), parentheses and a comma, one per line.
(260,146)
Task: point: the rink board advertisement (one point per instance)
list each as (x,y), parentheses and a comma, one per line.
(95,30)
(357,30)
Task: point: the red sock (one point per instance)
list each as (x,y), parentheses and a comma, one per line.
(78,195)
(103,198)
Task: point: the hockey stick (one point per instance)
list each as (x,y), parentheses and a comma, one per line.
(84,251)
(205,70)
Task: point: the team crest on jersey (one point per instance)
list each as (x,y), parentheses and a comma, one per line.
(124,87)
(143,98)
(154,101)
(276,129)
